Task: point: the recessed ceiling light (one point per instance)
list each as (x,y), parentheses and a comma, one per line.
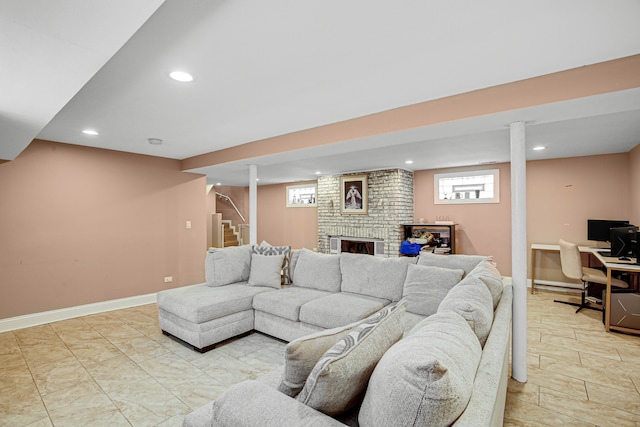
(318,172)
(539,148)
(181,76)
(154,141)
(218,183)
(408,162)
(90,132)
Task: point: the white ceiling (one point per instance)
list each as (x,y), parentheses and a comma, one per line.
(48,50)
(264,69)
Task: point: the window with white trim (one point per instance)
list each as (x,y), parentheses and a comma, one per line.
(478,186)
(301,196)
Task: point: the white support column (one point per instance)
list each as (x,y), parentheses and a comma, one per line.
(519,251)
(253,204)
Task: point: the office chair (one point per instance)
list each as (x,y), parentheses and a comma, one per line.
(571,263)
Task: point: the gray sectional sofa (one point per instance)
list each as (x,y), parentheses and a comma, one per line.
(372,341)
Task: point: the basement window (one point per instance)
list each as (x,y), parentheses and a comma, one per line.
(479,186)
(302,196)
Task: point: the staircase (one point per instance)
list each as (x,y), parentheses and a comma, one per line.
(230,236)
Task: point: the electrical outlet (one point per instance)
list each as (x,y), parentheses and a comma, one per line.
(187,225)
(168,279)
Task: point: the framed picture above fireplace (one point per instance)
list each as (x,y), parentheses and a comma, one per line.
(353,195)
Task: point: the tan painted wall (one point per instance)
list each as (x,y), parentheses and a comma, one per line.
(483,229)
(81,225)
(280,225)
(634,184)
(562,194)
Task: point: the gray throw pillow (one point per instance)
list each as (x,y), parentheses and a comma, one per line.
(425,379)
(472,300)
(269,250)
(341,375)
(266,270)
(224,266)
(425,287)
(302,354)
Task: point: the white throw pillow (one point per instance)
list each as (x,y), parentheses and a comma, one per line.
(266,270)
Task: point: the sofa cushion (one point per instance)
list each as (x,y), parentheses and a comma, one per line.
(374,276)
(266,270)
(465,262)
(490,276)
(341,375)
(201,303)
(340,309)
(425,287)
(302,354)
(426,378)
(472,300)
(288,301)
(224,266)
(269,250)
(317,271)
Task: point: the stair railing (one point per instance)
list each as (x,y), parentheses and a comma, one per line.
(228,199)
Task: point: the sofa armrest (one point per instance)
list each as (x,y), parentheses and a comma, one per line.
(253,403)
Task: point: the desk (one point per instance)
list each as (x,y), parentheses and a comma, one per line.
(539,247)
(614,264)
(610,263)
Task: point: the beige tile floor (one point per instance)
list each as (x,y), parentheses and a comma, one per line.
(117,368)
(577,374)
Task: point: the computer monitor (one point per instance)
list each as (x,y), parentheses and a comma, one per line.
(599,230)
(624,241)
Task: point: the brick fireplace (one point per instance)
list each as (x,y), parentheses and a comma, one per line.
(390,199)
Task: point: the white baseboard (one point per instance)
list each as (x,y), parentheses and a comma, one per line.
(549,285)
(36,319)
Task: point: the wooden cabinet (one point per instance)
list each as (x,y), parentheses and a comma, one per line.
(440,237)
